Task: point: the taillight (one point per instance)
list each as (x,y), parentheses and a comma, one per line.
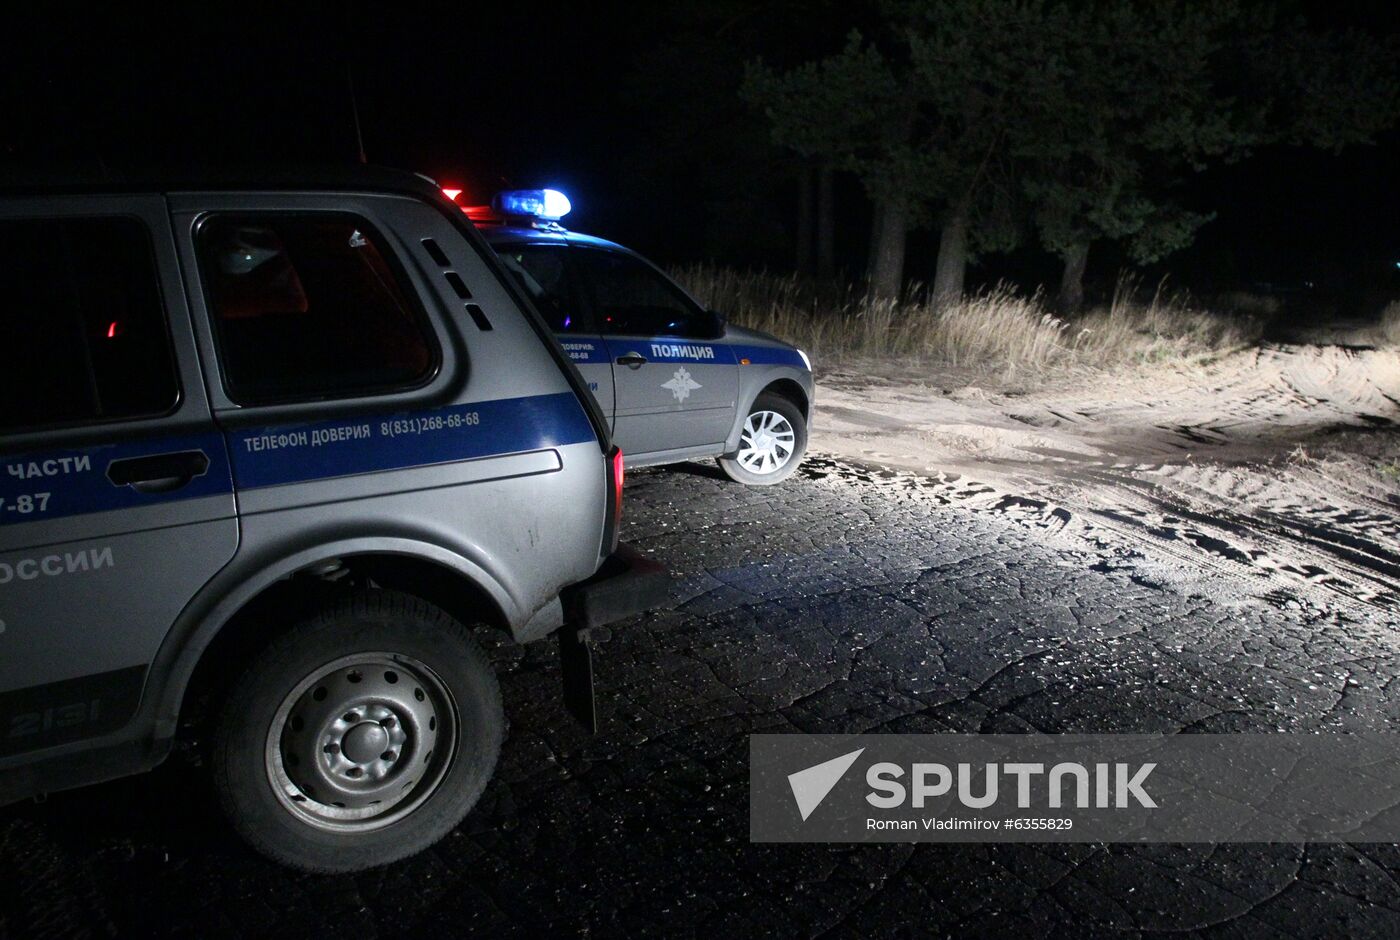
(612,522)
(618,472)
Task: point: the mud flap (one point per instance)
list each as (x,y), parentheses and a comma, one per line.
(576,657)
(625,584)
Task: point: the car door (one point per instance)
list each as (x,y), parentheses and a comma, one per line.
(116,502)
(543,270)
(675,384)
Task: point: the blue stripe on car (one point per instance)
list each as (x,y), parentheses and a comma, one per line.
(584,351)
(769,356)
(297,453)
(671,349)
(74,482)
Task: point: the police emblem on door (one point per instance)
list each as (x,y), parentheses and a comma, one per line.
(681,384)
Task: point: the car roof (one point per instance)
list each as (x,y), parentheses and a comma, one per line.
(523,234)
(353,177)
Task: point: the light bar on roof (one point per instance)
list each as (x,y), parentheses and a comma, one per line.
(548,204)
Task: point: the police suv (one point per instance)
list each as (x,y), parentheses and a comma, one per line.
(266,451)
(676,381)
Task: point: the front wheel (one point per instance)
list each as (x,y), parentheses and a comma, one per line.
(360,736)
(771,445)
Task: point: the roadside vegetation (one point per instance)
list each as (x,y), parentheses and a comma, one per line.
(997,329)
(1390,323)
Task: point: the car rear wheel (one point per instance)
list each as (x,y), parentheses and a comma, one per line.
(771,444)
(359,737)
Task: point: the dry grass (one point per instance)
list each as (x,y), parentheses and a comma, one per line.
(1390,323)
(997,330)
(1243,301)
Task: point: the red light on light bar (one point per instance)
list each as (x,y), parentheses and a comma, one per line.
(112,330)
(451,193)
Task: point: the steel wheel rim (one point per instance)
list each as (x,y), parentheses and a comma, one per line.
(361,742)
(767,443)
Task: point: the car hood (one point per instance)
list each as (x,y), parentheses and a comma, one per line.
(753,337)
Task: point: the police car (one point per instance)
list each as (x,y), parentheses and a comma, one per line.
(676,381)
(267,448)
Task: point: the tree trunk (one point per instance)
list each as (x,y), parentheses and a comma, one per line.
(952,260)
(875,222)
(886,272)
(826,224)
(803,258)
(1072,280)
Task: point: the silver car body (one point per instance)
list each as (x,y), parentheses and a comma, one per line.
(493,472)
(673,397)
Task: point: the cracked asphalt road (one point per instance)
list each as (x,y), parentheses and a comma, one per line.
(842,601)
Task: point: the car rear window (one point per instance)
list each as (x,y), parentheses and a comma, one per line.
(83,331)
(310,306)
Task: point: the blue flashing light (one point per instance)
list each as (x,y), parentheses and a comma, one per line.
(548,204)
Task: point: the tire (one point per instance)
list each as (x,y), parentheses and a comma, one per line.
(747,465)
(297,763)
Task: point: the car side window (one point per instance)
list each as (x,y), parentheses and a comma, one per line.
(308,306)
(633,298)
(543,273)
(83,331)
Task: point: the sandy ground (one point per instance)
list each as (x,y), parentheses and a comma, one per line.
(1277,468)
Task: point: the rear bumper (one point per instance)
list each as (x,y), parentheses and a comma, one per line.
(626,583)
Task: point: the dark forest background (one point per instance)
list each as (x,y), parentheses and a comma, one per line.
(642,115)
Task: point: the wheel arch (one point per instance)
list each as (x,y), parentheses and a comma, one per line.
(217,636)
(783,386)
(792,391)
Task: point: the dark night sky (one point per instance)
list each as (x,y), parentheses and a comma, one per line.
(550,94)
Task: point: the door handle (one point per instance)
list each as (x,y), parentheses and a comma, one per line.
(158,473)
(632,360)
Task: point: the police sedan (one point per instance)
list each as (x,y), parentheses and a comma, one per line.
(676,380)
